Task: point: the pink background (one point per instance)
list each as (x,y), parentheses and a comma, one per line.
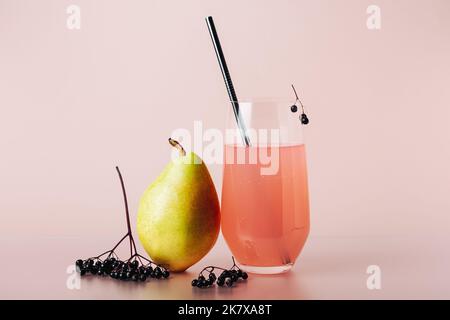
(75,103)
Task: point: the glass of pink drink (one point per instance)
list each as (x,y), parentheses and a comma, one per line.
(265,203)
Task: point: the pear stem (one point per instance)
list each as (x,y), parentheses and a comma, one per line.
(177,145)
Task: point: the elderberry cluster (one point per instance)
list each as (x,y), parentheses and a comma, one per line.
(135,268)
(226,278)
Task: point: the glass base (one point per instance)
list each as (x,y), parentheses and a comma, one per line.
(266,270)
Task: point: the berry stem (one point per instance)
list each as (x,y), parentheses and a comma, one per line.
(215,267)
(297,98)
(120,241)
(147,260)
(295,92)
(212,269)
(100,255)
(125,200)
(129,234)
(134,244)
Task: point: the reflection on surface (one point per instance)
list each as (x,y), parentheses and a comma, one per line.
(329,268)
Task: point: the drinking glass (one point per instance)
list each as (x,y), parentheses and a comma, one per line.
(265,202)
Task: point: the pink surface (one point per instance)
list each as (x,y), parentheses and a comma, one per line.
(74,103)
(329,268)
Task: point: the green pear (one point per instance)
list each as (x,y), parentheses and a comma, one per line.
(178,219)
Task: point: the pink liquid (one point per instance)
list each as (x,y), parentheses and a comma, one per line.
(265,218)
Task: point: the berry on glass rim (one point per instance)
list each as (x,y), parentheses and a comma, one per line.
(303,117)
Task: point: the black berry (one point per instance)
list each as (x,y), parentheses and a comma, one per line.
(158,273)
(148,271)
(142,277)
(304,119)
